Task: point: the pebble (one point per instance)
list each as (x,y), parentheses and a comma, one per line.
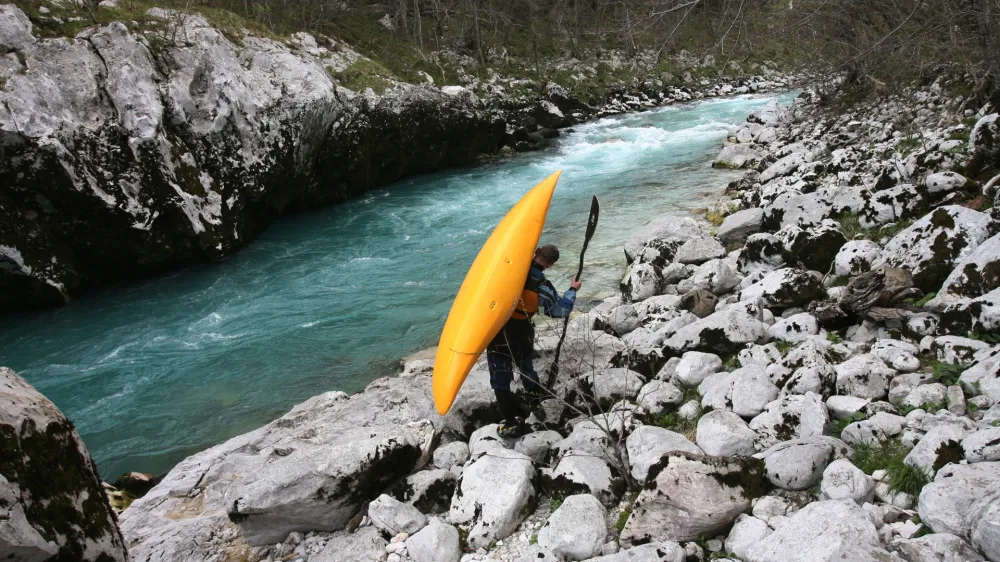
(393,558)
(400,538)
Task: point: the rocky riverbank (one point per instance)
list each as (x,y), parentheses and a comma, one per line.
(161,140)
(815,380)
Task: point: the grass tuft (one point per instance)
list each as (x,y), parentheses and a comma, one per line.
(889,456)
(850,225)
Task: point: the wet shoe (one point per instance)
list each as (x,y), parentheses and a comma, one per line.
(507,431)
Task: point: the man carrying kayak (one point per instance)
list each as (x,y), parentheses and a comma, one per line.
(515,344)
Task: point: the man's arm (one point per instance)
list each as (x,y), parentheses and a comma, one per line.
(552,304)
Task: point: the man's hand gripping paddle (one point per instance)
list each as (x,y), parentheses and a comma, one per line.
(595,211)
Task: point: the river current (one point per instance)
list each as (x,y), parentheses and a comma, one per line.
(153,371)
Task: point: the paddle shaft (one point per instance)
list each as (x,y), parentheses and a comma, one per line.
(595,211)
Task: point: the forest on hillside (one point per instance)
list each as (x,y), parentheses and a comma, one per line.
(875,43)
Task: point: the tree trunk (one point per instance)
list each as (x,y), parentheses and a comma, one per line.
(418,24)
(475,27)
(534,37)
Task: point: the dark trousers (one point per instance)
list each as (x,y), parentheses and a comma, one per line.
(513,346)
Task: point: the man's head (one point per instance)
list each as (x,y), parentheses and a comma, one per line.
(547,255)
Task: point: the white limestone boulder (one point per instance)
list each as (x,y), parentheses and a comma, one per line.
(798,464)
(576,530)
(741,224)
(493,496)
(648,443)
(856,257)
(688,495)
(790,417)
(918,250)
(437,542)
(725,434)
(785,288)
(824,531)
(392,516)
(844,481)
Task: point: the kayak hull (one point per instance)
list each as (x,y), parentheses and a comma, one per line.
(490,292)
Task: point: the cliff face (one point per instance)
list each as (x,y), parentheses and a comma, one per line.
(126,153)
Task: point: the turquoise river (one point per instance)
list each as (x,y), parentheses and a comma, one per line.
(153,371)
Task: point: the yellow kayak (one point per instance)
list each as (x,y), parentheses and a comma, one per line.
(490,292)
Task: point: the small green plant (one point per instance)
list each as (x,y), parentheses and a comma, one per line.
(947,373)
(622,519)
(783,346)
(675,422)
(889,456)
(554,503)
(834,338)
(685,426)
(838,426)
(922,300)
(731,364)
(534,539)
(929,407)
(988,337)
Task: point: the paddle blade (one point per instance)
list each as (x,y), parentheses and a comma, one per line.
(595,213)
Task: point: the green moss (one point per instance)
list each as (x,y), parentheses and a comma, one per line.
(67,497)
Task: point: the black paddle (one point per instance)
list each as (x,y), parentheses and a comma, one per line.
(595,211)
